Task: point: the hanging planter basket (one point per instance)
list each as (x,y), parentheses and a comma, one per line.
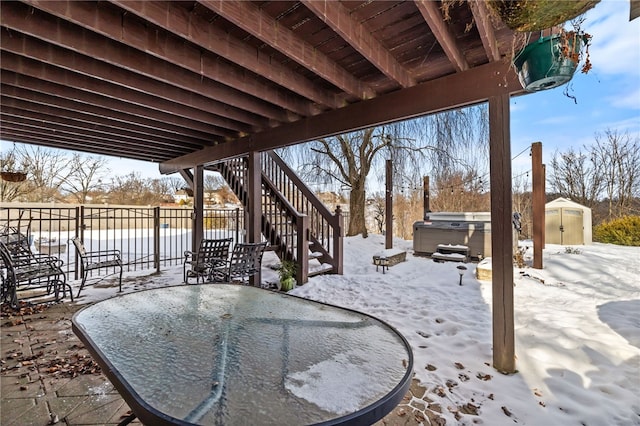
(549,62)
(536,15)
(13,176)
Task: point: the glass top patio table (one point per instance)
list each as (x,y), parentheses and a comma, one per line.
(222,354)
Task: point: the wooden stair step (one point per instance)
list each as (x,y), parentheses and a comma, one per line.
(323,268)
(451,257)
(450,248)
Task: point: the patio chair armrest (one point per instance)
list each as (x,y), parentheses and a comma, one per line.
(41,257)
(27,259)
(52,261)
(103,253)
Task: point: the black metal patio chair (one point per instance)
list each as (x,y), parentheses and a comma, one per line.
(245,261)
(94,260)
(212,253)
(28,275)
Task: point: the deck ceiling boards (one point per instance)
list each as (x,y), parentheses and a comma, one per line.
(178,82)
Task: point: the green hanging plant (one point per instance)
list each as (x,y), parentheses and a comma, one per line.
(552,60)
(537,15)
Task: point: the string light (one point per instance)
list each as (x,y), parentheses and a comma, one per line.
(480,180)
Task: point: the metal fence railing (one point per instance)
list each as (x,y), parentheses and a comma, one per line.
(147,237)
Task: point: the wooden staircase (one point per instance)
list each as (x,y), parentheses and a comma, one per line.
(295,223)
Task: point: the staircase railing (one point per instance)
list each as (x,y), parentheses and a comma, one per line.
(325,228)
(294,221)
(285,228)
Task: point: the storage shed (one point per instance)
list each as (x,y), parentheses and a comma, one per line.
(567,223)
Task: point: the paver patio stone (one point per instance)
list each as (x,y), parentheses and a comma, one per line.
(9,327)
(14,345)
(21,386)
(98,409)
(62,407)
(87,384)
(45,337)
(24,411)
(53,384)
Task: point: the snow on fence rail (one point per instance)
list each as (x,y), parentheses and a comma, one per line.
(147,237)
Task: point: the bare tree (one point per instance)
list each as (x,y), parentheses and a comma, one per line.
(133,189)
(174,183)
(436,142)
(85,175)
(459,191)
(213,182)
(407,209)
(346,159)
(522,203)
(608,170)
(10,161)
(47,170)
(619,158)
(576,175)
(378,207)
(162,190)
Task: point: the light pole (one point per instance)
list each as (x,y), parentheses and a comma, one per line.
(461,271)
(388,219)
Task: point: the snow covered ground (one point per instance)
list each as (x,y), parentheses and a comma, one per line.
(577,325)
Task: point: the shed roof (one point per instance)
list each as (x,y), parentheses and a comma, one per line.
(565,202)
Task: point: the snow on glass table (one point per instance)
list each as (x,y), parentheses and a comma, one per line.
(237,355)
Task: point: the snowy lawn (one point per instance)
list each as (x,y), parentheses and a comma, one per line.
(577,327)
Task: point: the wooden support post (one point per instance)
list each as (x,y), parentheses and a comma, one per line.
(538,199)
(425,198)
(388,219)
(338,242)
(80,227)
(501,234)
(198,207)
(254,191)
(544,228)
(156,238)
(302,250)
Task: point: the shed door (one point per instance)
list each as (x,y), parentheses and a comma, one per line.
(573,225)
(564,226)
(552,226)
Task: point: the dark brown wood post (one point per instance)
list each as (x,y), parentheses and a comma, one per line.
(388,215)
(338,241)
(198,207)
(254,191)
(425,197)
(537,176)
(80,227)
(302,249)
(156,238)
(237,224)
(544,185)
(501,234)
